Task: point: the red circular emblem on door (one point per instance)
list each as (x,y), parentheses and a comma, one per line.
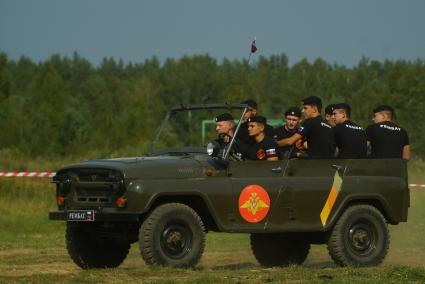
(254,203)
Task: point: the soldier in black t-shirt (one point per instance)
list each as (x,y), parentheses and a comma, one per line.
(264,148)
(243,134)
(292,117)
(349,137)
(318,134)
(387,139)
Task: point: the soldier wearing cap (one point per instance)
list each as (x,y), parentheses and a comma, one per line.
(328,114)
(224,126)
(243,133)
(349,137)
(387,139)
(292,118)
(318,134)
(264,148)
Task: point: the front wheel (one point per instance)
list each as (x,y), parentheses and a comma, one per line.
(172,235)
(88,250)
(359,238)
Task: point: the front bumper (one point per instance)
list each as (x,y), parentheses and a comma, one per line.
(101,216)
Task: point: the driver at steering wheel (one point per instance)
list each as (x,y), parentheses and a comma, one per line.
(224,126)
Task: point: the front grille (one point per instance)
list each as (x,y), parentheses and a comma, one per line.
(93,186)
(92,199)
(90,195)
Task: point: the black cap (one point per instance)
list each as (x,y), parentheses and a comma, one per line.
(330,109)
(344,106)
(223,117)
(383,108)
(295,111)
(313,101)
(250,103)
(258,119)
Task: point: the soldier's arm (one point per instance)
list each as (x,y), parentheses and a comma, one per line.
(289,141)
(272,159)
(406,152)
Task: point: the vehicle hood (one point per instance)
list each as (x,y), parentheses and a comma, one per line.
(189,166)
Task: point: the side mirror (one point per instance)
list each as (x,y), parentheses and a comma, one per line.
(213,148)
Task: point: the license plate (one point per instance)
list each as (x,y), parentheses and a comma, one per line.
(80,215)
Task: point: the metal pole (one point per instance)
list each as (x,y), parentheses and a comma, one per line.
(158,132)
(226,153)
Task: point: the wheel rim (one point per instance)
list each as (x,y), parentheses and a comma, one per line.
(176,240)
(362,238)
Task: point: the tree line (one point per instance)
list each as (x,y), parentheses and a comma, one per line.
(65,106)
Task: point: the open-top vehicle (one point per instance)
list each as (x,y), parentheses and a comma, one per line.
(169,199)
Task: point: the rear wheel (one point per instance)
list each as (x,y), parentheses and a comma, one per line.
(172,235)
(279,249)
(90,251)
(360,237)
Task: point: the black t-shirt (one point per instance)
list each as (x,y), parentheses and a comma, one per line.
(243,134)
(387,140)
(282,133)
(263,150)
(320,138)
(239,149)
(350,140)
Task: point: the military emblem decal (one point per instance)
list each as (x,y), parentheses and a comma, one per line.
(254,203)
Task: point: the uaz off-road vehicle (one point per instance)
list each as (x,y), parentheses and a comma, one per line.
(169,199)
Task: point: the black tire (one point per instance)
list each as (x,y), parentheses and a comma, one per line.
(359,238)
(172,235)
(89,251)
(279,249)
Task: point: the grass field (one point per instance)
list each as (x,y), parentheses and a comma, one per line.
(32,249)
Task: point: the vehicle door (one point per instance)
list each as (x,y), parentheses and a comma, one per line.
(307,185)
(216,190)
(256,186)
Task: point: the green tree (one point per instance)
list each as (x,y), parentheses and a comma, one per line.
(44,111)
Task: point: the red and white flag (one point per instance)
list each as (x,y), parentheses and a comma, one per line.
(253,46)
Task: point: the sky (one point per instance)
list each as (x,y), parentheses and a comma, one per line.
(339,31)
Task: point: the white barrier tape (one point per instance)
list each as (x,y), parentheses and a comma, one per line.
(416,185)
(27,174)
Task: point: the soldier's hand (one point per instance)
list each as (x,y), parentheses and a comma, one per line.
(299,144)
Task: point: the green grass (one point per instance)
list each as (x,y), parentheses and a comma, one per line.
(32,249)
(416,171)
(24,204)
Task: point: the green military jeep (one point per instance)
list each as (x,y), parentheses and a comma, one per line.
(169,199)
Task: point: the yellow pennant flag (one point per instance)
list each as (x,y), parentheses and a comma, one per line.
(333,194)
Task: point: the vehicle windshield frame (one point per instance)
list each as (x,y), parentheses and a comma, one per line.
(189,107)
